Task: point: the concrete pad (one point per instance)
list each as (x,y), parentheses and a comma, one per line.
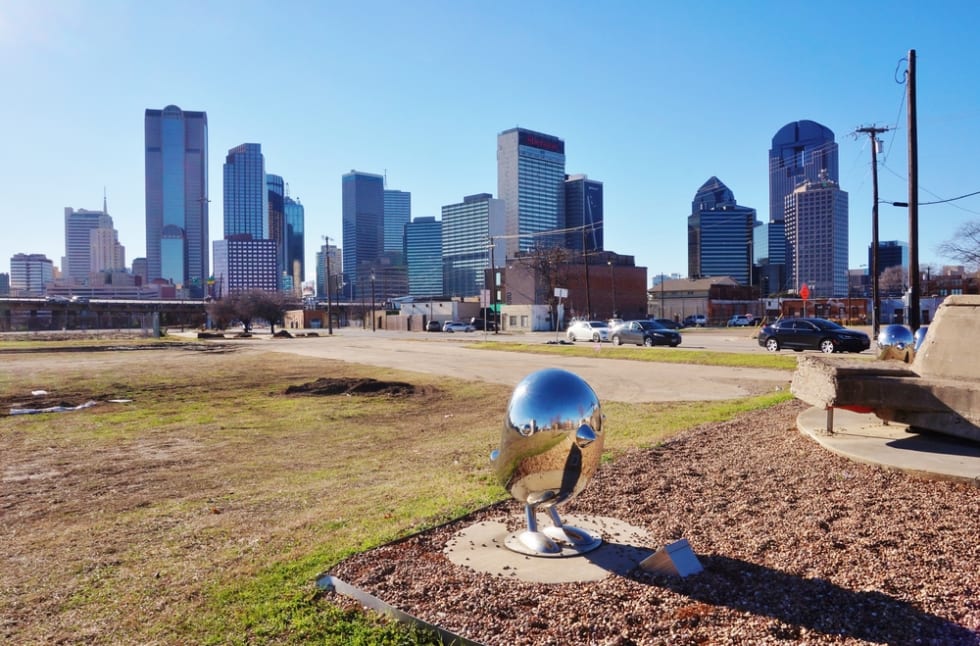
(866,438)
(480,547)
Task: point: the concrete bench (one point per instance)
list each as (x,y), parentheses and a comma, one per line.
(938,391)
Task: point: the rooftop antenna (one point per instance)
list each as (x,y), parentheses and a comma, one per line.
(105,208)
(386,178)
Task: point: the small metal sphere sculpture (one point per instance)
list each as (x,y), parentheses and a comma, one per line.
(918,338)
(895,342)
(549,450)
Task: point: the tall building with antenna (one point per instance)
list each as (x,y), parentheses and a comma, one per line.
(531,182)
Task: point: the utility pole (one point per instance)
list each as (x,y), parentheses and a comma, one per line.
(913,201)
(874,131)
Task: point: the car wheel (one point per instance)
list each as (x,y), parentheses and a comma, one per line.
(571,337)
(674,344)
(772,344)
(648,342)
(617,340)
(595,337)
(827,346)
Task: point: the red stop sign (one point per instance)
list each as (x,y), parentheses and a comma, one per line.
(804,292)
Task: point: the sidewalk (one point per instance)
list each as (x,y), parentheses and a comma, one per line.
(865,438)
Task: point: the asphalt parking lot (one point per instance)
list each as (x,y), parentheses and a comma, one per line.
(446,354)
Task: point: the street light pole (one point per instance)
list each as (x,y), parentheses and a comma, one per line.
(373,319)
(662,313)
(612,281)
(326,261)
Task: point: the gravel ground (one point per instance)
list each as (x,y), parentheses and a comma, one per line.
(799,546)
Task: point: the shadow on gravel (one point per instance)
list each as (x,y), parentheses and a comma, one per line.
(810,605)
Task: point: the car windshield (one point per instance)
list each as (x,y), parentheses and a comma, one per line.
(650,325)
(598,324)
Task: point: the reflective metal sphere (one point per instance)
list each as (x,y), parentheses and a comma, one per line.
(552,438)
(895,342)
(919,337)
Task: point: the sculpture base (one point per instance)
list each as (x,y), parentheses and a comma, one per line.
(553,542)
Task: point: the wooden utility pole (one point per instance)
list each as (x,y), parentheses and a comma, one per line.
(914,312)
(875,300)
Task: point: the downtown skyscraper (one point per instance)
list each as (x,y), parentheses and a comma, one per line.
(176,177)
(246,198)
(247,258)
(719,234)
(531,181)
(801,151)
(363,210)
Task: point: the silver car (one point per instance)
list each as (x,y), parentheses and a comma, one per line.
(588,331)
(457,326)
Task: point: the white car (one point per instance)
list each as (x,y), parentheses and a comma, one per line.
(456,326)
(588,331)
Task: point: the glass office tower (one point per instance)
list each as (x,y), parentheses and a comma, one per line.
(467,229)
(398,213)
(246,197)
(583,213)
(719,234)
(423,255)
(801,151)
(276,187)
(176,166)
(294,216)
(530,181)
(363,228)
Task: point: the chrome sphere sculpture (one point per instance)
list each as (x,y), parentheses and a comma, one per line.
(895,342)
(549,450)
(918,338)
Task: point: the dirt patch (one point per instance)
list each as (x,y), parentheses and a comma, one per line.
(325,386)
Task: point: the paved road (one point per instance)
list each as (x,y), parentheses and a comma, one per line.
(612,379)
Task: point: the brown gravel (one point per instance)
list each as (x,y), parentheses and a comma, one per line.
(799,546)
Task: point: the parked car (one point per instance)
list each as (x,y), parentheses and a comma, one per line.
(695,320)
(588,331)
(740,320)
(648,333)
(483,324)
(670,324)
(811,334)
(457,326)
(433,326)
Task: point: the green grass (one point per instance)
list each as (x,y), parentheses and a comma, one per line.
(657,355)
(204,510)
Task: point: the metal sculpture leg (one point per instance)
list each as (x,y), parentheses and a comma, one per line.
(578,539)
(533,540)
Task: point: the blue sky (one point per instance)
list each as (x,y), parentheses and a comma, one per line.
(651,98)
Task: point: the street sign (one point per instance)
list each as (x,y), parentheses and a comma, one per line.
(804,291)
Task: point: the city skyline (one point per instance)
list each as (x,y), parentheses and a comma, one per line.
(632,115)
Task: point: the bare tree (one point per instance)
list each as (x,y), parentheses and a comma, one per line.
(249,306)
(548,265)
(893,280)
(964,246)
